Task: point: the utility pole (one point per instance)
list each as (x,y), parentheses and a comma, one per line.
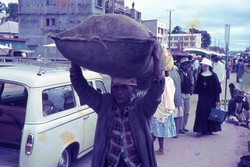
(113,6)
(169,37)
(227,36)
(192,36)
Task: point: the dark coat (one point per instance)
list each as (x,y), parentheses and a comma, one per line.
(186,81)
(240,70)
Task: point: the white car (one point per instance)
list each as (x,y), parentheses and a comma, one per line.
(42,123)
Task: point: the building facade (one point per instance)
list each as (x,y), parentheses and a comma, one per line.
(177,41)
(9,29)
(14,43)
(38,18)
(181,41)
(118,7)
(159,29)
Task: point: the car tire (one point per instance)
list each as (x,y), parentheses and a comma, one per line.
(65,159)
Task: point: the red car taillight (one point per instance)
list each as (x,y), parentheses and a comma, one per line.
(29,144)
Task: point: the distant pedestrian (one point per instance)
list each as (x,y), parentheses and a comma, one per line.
(178,111)
(219,69)
(234,65)
(196,66)
(162,122)
(240,70)
(186,89)
(208,89)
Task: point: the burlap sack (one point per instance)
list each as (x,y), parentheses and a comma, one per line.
(169,59)
(111,44)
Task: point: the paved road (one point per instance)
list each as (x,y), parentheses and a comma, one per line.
(222,149)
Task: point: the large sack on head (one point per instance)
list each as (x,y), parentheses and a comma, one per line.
(111,44)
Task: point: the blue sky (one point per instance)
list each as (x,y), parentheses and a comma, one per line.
(210,16)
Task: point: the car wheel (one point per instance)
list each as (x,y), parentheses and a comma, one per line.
(65,159)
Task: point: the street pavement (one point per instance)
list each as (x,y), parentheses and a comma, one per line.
(222,149)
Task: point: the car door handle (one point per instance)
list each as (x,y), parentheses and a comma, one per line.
(86,117)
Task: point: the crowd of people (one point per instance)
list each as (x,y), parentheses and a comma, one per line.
(203,77)
(128,124)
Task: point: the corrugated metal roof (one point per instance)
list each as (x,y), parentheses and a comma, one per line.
(9,27)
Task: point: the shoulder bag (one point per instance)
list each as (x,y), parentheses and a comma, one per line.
(217,115)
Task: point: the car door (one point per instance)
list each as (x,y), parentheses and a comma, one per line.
(91,118)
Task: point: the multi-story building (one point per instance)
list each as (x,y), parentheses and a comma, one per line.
(9,29)
(177,41)
(118,7)
(37,18)
(9,36)
(159,29)
(181,41)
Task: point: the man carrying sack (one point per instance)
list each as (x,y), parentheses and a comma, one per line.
(122,136)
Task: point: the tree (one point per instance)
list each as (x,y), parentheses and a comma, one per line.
(194,30)
(178,30)
(2,7)
(12,12)
(206,38)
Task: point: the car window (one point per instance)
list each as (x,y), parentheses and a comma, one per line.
(13,101)
(100,87)
(13,94)
(90,83)
(58,99)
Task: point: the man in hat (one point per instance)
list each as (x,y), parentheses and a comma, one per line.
(49,107)
(238,109)
(122,136)
(186,89)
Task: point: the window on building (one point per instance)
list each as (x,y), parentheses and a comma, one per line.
(47,22)
(139,16)
(53,22)
(165,31)
(99,3)
(50,22)
(160,39)
(50,2)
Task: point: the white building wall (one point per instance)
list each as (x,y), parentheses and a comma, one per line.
(159,29)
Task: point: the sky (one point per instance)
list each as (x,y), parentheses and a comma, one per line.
(210,16)
(8,1)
